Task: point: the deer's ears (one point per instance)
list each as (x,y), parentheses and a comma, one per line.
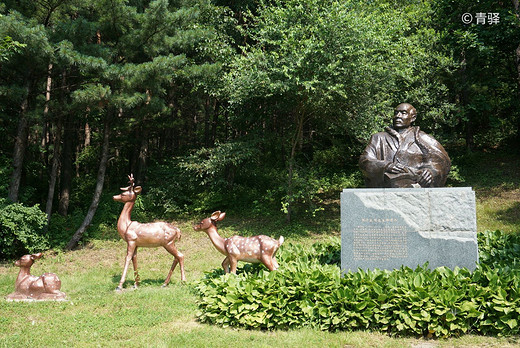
(218,216)
(36,256)
(136,189)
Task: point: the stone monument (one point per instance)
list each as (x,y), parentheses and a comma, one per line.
(405,216)
(390,227)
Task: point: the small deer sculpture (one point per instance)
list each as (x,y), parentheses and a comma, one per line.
(148,235)
(29,287)
(249,249)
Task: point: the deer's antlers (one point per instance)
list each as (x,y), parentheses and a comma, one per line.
(131,181)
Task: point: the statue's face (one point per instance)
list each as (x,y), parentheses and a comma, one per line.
(403,116)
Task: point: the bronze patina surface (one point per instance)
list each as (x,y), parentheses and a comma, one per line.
(31,288)
(149,235)
(404,156)
(249,249)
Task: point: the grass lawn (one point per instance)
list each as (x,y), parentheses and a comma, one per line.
(153,316)
(495,177)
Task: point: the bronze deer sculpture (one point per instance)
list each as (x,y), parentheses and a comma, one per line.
(149,235)
(249,249)
(29,287)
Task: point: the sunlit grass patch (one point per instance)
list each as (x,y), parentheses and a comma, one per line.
(499,210)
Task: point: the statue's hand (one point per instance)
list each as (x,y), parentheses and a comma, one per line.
(396,168)
(426,178)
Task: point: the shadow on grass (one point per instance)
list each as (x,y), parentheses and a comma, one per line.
(326,222)
(242,268)
(510,215)
(488,172)
(129,282)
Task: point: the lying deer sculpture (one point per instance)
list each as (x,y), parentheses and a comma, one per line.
(29,287)
(250,249)
(148,235)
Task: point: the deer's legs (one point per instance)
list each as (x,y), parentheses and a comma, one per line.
(225,265)
(129,254)
(179,257)
(167,281)
(136,273)
(51,283)
(268,262)
(275,264)
(232,264)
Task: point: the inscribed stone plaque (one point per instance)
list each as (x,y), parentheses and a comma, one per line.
(386,228)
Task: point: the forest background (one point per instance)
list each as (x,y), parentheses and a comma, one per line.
(257,107)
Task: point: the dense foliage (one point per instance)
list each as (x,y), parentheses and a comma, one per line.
(22,230)
(263,105)
(309,290)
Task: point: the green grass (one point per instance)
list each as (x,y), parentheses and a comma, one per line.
(96,315)
(152,316)
(495,177)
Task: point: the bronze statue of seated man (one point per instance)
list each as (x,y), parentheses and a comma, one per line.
(404,156)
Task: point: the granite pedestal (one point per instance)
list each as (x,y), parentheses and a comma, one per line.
(387,228)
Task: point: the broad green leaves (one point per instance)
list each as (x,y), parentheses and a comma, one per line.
(306,291)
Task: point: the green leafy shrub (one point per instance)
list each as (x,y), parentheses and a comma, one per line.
(309,290)
(21,230)
(499,250)
(206,179)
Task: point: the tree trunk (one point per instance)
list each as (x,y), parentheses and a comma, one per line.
(226,125)
(20,145)
(516,4)
(45,127)
(97,192)
(214,123)
(142,157)
(290,173)
(469,136)
(67,151)
(207,118)
(54,172)
(194,126)
(517,61)
(87,135)
(66,168)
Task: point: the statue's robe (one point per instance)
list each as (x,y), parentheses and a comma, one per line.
(413,148)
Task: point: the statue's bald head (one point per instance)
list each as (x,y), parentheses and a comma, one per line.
(404,116)
(408,107)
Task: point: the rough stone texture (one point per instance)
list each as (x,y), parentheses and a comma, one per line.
(387,228)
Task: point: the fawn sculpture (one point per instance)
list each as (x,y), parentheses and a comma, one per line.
(29,287)
(150,235)
(249,249)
